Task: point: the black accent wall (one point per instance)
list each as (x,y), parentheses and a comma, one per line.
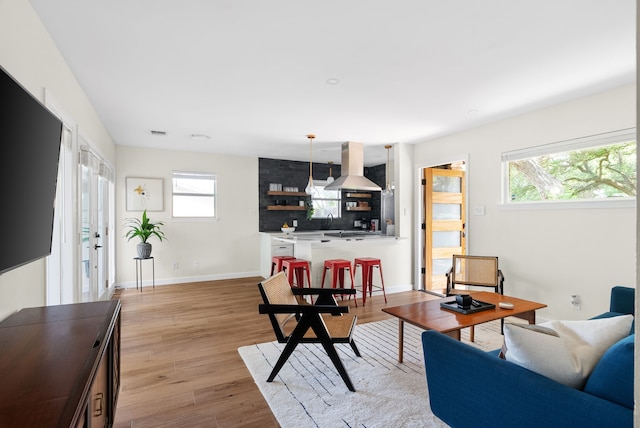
(296,174)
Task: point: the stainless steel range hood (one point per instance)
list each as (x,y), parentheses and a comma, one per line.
(352,170)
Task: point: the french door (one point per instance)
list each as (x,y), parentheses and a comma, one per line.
(96,188)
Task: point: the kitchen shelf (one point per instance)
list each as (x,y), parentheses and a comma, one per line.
(358,208)
(358,195)
(285,207)
(277,193)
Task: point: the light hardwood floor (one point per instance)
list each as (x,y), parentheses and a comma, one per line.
(180,364)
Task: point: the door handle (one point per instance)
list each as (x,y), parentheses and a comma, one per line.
(95,247)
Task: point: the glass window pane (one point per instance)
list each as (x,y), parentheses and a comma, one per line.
(605,171)
(446,239)
(441,266)
(326,202)
(447,184)
(194,194)
(446,212)
(193,206)
(194,186)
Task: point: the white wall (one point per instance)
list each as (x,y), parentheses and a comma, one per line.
(547,255)
(30,56)
(227,248)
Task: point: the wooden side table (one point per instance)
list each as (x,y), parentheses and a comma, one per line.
(139,261)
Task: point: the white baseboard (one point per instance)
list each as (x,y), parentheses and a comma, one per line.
(187,279)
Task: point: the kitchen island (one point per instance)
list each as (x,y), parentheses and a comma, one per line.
(318,246)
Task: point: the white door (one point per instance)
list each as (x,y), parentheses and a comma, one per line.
(95,242)
(60,266)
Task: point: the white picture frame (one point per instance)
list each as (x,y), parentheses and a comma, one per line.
(144,193)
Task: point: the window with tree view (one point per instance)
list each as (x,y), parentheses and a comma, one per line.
(601,167)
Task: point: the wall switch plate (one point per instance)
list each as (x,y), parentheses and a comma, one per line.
(478,210)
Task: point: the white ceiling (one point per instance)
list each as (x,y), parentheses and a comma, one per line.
(252,74)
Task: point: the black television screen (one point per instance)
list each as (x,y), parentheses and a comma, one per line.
(29,150)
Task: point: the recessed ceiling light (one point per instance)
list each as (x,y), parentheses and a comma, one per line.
(199,137)
(333,81)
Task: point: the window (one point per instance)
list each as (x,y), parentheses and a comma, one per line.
(194,194)
(601,167)
(326,202)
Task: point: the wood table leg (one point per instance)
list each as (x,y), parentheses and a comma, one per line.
(455,334)
(528,316)
(400,340)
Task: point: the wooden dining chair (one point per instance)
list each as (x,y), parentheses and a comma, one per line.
(474,271)
(297,322)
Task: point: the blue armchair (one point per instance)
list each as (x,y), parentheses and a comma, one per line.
(472,388)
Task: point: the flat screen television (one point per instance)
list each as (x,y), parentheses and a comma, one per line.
(29,153)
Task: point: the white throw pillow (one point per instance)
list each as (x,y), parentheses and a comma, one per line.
(569,352)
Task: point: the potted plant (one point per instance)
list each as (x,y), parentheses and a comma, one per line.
(144,229)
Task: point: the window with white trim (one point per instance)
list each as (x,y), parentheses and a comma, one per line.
(194,194)
(599,167)
(326,202)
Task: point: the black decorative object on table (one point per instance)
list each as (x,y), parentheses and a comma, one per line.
(475,306)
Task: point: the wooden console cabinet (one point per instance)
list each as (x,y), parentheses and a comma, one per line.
(60,366)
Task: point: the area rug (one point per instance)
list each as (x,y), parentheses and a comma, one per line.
(309,392)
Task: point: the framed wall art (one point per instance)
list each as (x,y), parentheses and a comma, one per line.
(144,194)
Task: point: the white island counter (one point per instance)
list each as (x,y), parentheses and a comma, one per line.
(318,246)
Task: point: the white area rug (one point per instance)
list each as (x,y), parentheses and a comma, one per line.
(309,392)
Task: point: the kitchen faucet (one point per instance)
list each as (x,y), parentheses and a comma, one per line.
(329,220)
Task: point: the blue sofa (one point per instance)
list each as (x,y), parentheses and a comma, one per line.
(472,388)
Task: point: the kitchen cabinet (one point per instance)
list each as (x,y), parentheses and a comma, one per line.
(281,249)
(269,248)
(297,207)
(60,366)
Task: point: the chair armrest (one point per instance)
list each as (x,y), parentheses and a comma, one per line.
(301,309)
(469,387)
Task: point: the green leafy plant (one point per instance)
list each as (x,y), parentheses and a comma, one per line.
(310,209)
(144,228)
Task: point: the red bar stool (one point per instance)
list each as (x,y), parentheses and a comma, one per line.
(297,268)
(337,267)
(367,264)
(276,263)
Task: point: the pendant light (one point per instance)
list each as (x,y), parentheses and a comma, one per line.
(310,189)
(330,177)
(387,190)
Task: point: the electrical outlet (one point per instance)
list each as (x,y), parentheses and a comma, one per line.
(295,223)
(575,302)
(175,265)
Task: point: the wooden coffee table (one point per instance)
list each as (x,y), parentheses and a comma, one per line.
(429,315)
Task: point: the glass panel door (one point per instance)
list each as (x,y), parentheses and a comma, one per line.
(95,217)
(444,227)
(88,222)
